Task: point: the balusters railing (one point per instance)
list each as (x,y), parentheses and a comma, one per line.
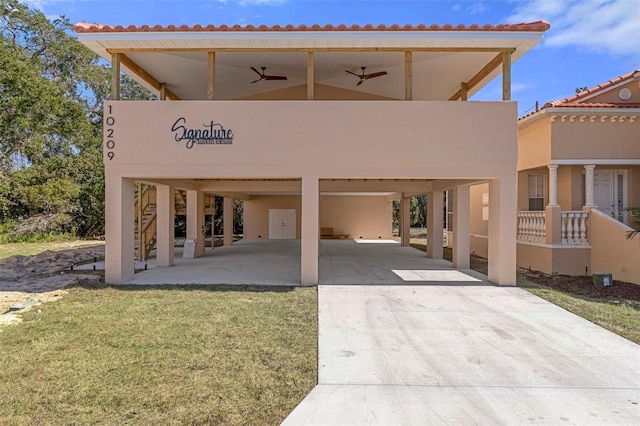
(532,226)
(574,227)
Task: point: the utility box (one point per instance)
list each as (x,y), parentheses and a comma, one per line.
(189,251)
(602,279)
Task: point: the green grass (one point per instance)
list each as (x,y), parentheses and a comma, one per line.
(218,355)
(28,249)
(619,316)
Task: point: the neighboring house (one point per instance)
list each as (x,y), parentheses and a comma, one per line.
(314,127)
(578,170)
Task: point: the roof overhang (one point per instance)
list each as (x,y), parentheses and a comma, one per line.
(442,57)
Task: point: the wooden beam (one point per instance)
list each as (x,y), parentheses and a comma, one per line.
(506,76)
(464,88)
(317,49)
(115,76)
(163,91)
(310,76)
(485,71)
(211,76)
(140,72)
(408,76)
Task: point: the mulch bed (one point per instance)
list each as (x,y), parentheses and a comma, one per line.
(584,286)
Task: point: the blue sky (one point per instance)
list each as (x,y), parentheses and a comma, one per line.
(590,41)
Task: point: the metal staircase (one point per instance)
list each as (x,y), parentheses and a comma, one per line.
(145,221)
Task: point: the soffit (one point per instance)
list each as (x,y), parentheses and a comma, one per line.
(179,59)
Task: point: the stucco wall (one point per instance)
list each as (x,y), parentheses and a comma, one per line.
(611,250)
(478,226)
(595,140)
(565,261)
(256,213)
(357,216)
(343,139)
(534,143)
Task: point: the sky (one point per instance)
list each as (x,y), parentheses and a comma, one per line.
(590,41)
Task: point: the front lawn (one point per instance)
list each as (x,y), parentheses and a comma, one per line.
(191,355)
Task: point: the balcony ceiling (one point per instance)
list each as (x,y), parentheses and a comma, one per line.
(442,60)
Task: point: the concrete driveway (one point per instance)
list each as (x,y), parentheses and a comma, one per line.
(478,355)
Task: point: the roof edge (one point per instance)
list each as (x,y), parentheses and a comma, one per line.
(83,27)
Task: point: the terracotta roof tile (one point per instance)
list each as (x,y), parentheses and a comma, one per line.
(591,105)
(599,87)
(83,27)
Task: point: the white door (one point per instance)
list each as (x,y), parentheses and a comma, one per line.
(282,224)
(609,192)
(603,192)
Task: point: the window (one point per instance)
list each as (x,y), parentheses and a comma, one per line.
(536,192)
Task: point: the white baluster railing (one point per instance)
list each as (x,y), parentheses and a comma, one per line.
(574,227)
(532,226)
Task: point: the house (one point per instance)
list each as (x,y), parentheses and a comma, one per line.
(578,170)
(313,127)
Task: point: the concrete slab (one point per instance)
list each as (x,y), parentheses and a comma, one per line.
(246,262)
(465,355)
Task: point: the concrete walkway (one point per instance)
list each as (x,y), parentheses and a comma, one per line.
(478,355)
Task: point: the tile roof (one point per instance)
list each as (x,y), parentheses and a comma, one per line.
(577,97)
(83,27)
(591,105)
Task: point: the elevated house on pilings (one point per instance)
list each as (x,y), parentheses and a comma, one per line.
(315,128)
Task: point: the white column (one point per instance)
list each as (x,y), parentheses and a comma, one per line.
(435,224)
(589,172)
(502,230)
(461,242)
(166,211)
(119,229)
(553,184)
(310,231)
(405,219)
(227,221)
(195,220)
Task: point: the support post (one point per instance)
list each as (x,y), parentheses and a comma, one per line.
(405,219)
(163,91)
(165,210)
(461,237)
(119,215)
(408,75)
(435,224)
(502,230)
(310,230)
(141,241)
(589,179)
(464,89)
(115,76)
(506,76)
(553,184)
(195,220)
(227,221)
(211,76)
(310,76)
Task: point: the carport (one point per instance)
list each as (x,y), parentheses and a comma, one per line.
(277,262)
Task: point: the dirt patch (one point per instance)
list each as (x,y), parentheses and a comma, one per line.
(45,276)
(584,286)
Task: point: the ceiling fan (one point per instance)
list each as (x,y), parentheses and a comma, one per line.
(364,76)
(263,76)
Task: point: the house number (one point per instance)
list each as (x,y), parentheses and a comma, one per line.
(111,143)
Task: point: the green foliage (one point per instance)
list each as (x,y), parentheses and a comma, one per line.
(51,93)
(634,212)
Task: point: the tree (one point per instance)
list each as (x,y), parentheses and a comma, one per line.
(51,93)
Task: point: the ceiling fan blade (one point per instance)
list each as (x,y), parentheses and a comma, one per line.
(374,74)
(256,71)
(360,82)
(275,77)
(255,81)
(357,75)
